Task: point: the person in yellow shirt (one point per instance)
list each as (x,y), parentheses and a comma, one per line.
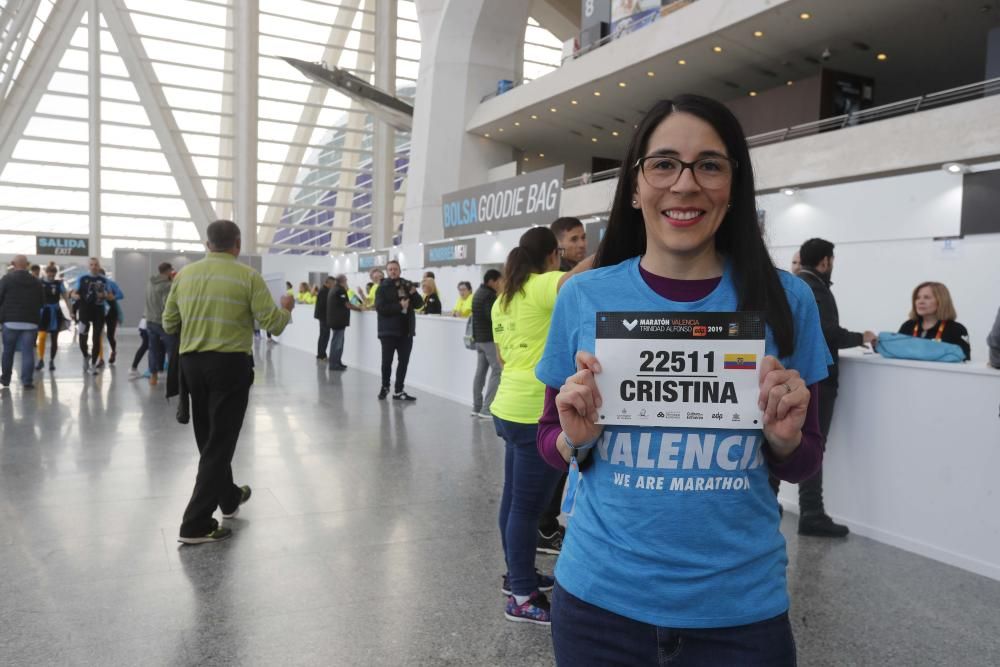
(463,307)
(305,295)
(376,276)
(521,317)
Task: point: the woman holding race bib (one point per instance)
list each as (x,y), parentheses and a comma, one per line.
(689,563)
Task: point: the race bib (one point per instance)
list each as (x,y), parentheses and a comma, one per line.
(691,370)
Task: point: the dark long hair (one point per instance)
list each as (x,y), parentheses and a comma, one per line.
(532,251)
(739,238)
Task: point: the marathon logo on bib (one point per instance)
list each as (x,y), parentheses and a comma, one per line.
(680,369)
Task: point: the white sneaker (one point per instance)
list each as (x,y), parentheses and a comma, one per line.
(473,414)
(483,415)
(134,373)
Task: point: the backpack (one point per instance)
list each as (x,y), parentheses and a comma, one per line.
(469,338)
(892,345)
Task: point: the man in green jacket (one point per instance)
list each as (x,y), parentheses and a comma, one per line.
(213,305)
(156,300)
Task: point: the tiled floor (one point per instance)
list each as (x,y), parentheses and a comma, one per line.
(370,540)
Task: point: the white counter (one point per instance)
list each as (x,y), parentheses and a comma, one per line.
(912,458)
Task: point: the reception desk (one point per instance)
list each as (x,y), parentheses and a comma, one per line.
(913,458)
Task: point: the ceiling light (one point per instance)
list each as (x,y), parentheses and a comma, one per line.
(526,158)
(552,109)
(487,135)
(682,62)
(517,123)
(597,93)
(753,93)
(500,130)
(650,73)
(717,49)
(805,16)
(881,56)
(534,116)
(489,232)
(594,139)
(788,192)
(573,102)
(622,84)
(955,167)
(614,133)
(758,33)
(789,83)
(541,155)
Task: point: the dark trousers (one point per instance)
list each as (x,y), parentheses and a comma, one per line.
(528,482)
(324,339)
(401,346)
(94,319)
(160,344)
(583,634)
(112,325)
(548,523)
(144,334)
(811,490)
(219,384)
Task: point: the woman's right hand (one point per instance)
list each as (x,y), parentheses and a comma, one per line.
(578,401)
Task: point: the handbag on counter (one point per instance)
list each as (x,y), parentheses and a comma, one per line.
(892,345)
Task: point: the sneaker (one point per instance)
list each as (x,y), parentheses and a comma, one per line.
(821,525)
(153,379)
(93,370)
(40,365)
(217,534)
(403,396)
(5,383)
(52,365)
(134,374)
(545,583)
(551,544)
(485,415)
(474,413)
(244,496)
(383,393)
(341,367)
(534,610)
(100,363)
(146,374)
(112,358)
(28,386)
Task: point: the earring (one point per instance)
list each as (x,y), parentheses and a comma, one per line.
(635,202)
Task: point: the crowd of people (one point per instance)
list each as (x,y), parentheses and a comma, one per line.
(639,574)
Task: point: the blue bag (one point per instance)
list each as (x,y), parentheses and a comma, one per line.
(892,345)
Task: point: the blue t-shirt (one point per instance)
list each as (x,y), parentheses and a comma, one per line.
(691,539)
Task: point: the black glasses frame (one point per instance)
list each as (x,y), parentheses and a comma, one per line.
(640,164)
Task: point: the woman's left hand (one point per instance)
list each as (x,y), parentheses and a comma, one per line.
(784,398)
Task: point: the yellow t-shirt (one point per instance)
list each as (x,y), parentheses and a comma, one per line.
(463,307)
(520,331)
(371,295)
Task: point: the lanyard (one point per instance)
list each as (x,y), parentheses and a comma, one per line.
(937,336)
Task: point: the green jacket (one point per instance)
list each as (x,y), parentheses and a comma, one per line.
(214,303)
(156,298)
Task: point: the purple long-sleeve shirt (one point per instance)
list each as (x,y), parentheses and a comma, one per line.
(801,464)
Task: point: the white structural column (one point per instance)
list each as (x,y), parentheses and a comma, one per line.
(339,32)
(474,44)
(384,148)
(245,59)
(94,125)
(224,189)
(15,39)
(161,118)
(34,77)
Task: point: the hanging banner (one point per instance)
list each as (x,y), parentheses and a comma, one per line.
(74,246)
(372,260)
(451,253)
(522,201)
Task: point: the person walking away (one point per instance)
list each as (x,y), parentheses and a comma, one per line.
(52,319)
(319,313)
(143,329)
(212,305)
(816,258)
(486,349)
(157,291)
(21,300)
(113,315)
(338,312)
(396,301)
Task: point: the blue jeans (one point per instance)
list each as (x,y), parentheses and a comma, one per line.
(583,634)
(23,341)
(528,484)
(336,348)
(159,345)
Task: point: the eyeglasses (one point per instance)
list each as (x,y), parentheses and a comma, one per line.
(710,173)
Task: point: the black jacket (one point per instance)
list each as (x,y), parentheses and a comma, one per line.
(432,305)
(482,320)
(319,311)
(391,319)
(338,315)
(952,332)
(837,337)
(21,298)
